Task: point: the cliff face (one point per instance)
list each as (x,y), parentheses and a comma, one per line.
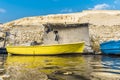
(104,25)
(93,17)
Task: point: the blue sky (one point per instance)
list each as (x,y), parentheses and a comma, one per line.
(15,9)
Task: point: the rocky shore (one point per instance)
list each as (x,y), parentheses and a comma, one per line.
(104,25)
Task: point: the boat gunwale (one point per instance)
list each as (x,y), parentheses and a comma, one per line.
(110,42)
(74,53)
(45,45)
(112,49)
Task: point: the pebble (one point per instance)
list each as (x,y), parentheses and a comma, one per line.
(68,73)
(2,71)
(63,72)
(6,76)
(104,76)
(1,63)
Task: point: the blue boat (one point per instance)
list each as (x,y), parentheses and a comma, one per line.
(110,47)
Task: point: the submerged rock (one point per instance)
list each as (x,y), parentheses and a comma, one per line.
(104,76)
(2,71)
(20,73)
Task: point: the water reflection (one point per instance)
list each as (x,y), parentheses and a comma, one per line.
(111,62)
(68,67)
(55,67)
(107,69)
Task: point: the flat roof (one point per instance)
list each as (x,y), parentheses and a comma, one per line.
(65,24)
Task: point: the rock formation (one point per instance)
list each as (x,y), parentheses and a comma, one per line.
(104,24)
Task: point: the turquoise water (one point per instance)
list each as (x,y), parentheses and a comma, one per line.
(64,67)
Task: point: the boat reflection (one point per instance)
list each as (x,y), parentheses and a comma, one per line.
(109,65)
(111,62)
(68,67)
(24,65)
(44,61)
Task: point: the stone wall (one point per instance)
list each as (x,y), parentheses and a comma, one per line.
(104,23)
(99,34)
(25,35)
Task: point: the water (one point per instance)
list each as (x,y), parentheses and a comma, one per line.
(66,67)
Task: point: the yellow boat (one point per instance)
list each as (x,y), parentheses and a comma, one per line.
(47,49)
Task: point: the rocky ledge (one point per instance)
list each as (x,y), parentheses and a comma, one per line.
(104,24)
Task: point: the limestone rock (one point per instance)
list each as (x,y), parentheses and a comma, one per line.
(104,25)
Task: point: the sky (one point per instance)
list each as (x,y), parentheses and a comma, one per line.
(15,9)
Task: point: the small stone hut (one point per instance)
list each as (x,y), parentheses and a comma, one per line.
(48,34)
(56,33)
(66,33)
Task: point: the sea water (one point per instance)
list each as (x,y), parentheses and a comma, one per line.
(62,67)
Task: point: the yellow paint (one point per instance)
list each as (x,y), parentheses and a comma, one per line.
(46,50)
(42,62)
